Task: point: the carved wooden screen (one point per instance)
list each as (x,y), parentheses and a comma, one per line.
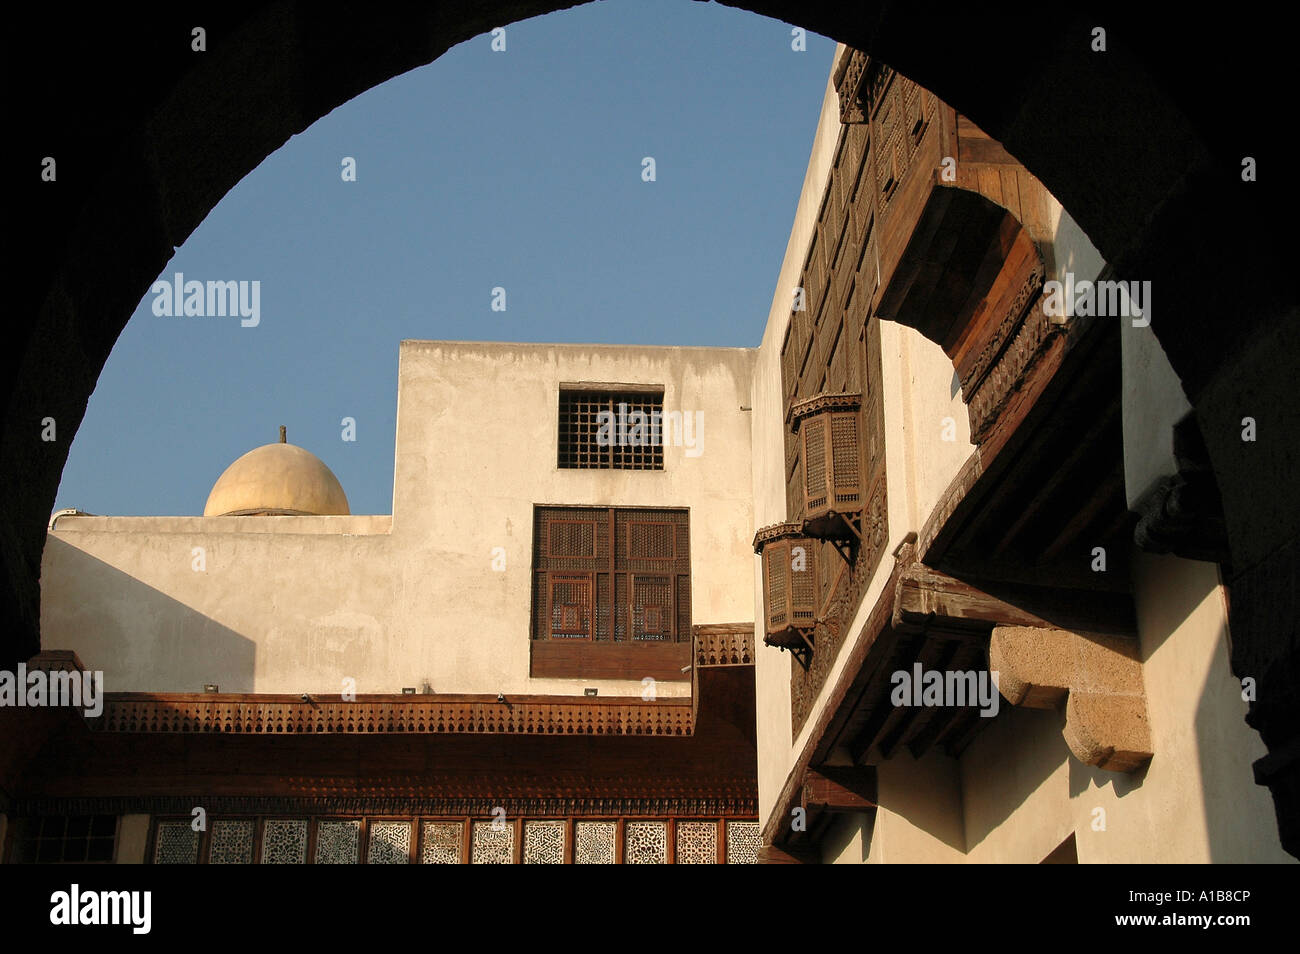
(611,574)
(834,347)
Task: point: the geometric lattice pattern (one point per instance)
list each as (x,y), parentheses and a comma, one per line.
(440,843)
(611,574)
(492,845)
(645,843)
(697,843)
(284,841)
(743,842)
(390,843)
(608,431)
(593,843)
(544,842)
(176,844)
(232,842)
(338,842)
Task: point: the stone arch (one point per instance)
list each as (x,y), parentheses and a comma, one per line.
(1141,143)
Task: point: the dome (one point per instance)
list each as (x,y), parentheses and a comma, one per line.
(276,479)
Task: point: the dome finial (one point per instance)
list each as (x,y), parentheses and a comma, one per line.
(283,438)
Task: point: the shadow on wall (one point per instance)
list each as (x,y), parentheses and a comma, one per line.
(125,627)
(1007,763)
(1201,770)
(939,813)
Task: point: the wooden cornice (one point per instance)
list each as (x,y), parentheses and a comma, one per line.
(258,714)
(926,597)
(724,644)
(543,806)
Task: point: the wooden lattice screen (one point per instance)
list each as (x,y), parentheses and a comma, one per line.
(611,574)
(621,444)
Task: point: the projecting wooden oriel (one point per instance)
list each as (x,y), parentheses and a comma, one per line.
(827,427)
(789,585)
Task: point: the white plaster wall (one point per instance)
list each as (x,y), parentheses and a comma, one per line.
(293,604)
(1196,801)
(919,820)
(1152,402)
(1016,787)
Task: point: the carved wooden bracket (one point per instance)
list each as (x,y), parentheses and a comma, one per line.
(838,789)
(1105,713)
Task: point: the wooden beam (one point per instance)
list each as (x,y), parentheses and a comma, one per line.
(926,596)
(839,789)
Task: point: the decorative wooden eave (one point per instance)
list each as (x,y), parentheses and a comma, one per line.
(723,644)
(825,401)
(717,645)
(618,756)
(265,714)
(778,531)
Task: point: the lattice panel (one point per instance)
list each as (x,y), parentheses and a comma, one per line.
(683,606)
(232,842)
(650,541)
(814,462)
(284,841)
(775,558)
(570,607)
(621,609)
(492,845)
(652,609)
(600,430)
(593,843)
(604,607)
(176,844)
(743,842)
(338,842)
(844,451)
(645,843)
(390,843)
(544,842)
(572,538)
(697,843)
(585,562)
(440,843)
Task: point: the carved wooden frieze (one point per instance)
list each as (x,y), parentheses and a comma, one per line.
(260,715)
(531,807)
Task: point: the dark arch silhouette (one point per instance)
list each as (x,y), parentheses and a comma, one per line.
(1143,144)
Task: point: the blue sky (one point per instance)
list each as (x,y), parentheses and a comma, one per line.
(520,169)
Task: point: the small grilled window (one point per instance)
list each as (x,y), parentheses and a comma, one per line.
(611,430)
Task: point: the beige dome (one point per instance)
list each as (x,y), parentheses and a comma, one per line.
(276,479)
